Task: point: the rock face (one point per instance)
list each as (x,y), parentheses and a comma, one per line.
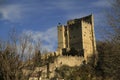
(65,60)
(59,61)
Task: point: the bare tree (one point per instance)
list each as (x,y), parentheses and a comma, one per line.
(109,50)
(16,56)
(113,19)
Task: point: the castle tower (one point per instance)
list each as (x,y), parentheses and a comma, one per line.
(78,34)
(88,36)
(61,38)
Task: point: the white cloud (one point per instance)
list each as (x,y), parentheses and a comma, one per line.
(18,12)
(48,38)
(10,12)
(15,12)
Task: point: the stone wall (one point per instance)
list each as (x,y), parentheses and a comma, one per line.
(60,61)
(68,60)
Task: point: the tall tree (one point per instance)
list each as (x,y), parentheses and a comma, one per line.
(109,50)
(113,19)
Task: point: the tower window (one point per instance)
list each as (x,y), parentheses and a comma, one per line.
(60,29)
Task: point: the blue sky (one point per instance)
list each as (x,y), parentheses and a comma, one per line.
(40,17)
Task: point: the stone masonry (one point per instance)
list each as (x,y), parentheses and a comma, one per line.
(78,34)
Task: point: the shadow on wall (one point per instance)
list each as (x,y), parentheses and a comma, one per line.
(73,52)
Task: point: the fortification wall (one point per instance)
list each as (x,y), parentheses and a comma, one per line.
(65,60)
(60,61)
(69,61)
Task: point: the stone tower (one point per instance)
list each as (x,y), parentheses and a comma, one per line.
(78,34)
